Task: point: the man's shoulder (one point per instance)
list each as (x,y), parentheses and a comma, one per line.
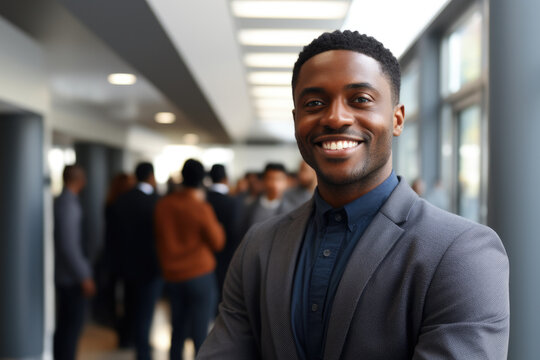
(267,229)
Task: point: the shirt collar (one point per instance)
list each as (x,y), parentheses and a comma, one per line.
(145,188)
(220,188)
(366,205)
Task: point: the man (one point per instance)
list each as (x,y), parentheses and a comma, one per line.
(188,233)
(136,257)
(307,181)
(270,202)
(73,272)
(367,269)
(227,211)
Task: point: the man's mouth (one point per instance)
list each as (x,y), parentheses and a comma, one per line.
(338,145)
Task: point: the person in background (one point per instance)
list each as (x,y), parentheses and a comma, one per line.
(270,202)
(136,256)
(73,274)
(249,188)
(227,211)
(418,186)
(188,233)
(109,277)
(303,191)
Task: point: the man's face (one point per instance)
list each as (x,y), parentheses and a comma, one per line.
(345,118)
(275,184)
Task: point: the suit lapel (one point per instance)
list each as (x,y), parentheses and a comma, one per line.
(372,247)
(280,275)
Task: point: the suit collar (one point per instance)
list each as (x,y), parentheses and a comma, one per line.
(281,268)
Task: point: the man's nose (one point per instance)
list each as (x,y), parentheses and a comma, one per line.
(338,115)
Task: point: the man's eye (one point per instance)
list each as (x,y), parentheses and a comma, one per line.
(361,99)
(313,103)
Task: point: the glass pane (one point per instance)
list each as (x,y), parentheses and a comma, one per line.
(409,90)
(469,162)
(407,155)
(464,52)
(440,194)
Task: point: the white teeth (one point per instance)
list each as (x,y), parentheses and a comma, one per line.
(338,145)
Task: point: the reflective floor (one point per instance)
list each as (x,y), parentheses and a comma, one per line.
(100,343)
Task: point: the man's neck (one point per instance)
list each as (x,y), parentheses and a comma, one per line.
(73,189)
(339,195)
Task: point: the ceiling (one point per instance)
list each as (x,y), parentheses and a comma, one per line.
(187,56)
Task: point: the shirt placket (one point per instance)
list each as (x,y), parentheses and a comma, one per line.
(330,245)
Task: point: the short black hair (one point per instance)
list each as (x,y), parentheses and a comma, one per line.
(193,173)
(143,171)
(274,167)
(354,41)
(218,173)
(72,173)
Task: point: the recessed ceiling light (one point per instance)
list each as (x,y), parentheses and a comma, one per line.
(270,77)
(122,79)
(165,117)
(191,139)
(272,92)
(290,9)
(278,37)
(278,60)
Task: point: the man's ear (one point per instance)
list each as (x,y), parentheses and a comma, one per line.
(294,114)
(399,119)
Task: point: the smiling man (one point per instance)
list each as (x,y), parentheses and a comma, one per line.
(366,269)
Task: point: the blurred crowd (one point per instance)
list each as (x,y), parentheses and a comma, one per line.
(176,247)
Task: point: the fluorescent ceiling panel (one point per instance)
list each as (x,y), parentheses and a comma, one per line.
(273,103)
(270,77)
(272,92)
(271,60)
(290,9)
(275,113)
(278,37)
(365,16)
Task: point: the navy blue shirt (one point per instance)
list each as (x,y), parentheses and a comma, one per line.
(330,238)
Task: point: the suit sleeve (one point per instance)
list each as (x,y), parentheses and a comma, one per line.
(232,337)
(69,241)
(466,311)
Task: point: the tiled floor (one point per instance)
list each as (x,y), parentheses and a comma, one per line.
(100,343)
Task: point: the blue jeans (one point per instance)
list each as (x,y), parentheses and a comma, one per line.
(192,309)
(70,312)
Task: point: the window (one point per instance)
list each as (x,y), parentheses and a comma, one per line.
(463,116)
(469,164)
(407,144)
(462,54)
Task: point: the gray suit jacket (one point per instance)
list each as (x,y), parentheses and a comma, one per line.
(420,284)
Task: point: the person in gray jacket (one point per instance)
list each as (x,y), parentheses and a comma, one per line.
(73,274)
(366,269)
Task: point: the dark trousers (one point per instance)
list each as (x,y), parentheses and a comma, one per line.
(144,296)
(70,312)
(192,308)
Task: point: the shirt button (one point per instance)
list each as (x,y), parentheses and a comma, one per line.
(337,217)
(326,253)
(314,307)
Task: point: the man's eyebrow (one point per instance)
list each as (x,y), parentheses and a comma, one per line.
(311,90)
(363,85)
